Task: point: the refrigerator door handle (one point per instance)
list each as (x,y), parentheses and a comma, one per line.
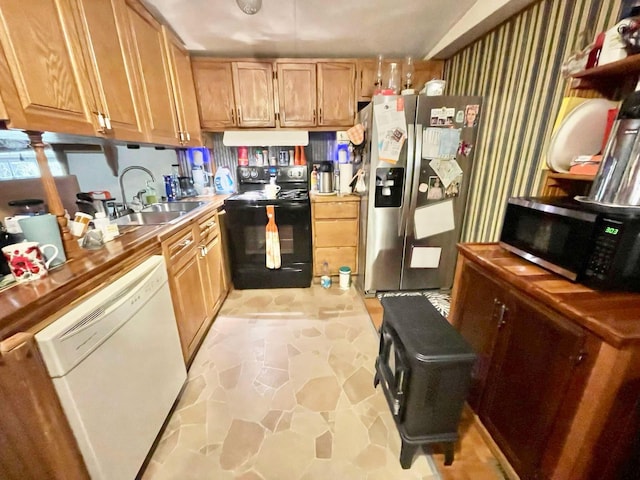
(411,141)
(415,178)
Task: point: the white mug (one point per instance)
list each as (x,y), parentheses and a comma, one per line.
(271,190)
(26,261)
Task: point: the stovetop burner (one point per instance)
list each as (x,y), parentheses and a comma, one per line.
(295,195)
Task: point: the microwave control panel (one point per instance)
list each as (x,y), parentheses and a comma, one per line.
(607,238)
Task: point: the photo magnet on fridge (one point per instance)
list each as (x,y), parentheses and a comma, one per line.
(471,114)
(453,190)
(436,191)
(459,116)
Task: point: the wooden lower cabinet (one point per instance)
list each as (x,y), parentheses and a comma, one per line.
(553,386)
(335,226)
(195,264)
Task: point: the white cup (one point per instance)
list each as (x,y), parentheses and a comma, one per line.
(271,190)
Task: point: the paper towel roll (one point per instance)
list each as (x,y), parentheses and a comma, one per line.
(346,174)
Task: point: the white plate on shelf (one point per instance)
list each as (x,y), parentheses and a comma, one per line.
(580,133)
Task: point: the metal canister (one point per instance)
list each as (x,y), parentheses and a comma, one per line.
(283,159)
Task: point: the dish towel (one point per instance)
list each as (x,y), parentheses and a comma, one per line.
(272,244)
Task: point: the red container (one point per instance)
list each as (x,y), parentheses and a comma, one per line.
(243,156)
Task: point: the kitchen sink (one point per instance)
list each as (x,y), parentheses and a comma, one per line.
(149,218)
(172,207)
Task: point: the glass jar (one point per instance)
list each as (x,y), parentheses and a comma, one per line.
(393,83)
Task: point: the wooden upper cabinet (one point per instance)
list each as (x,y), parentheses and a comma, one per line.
(424,70)
(153,65)
(336,94)
(296,94)
(184,91)
(214,89)
(253,93)
(106,46)
(40,81)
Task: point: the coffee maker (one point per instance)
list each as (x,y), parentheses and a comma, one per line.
(617,183)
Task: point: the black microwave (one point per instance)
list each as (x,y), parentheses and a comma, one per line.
(586,243)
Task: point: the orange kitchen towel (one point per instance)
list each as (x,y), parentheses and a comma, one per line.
(272,245)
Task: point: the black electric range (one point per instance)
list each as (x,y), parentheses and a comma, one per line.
(246,227)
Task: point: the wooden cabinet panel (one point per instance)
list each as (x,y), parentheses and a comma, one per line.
(106,46)
(336,93)
(184,91)
(482,308)
(213,279)
(336,210)
(424,71)
(40,84)
(297,94)
(335,233)
(253,92)
(535,355)
(155,75)
(366,79)
(335,257)
(214,89)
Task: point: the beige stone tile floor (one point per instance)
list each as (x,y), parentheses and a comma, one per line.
(282,389)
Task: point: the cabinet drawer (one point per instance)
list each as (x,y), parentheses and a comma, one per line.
(209,228)
(336,233)
(336,257)
(336,210)
(179,247)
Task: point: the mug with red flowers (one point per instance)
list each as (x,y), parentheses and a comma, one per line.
(26,260)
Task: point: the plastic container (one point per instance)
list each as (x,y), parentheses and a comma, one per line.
(101,222)
(345,277)
(325,279)
(243,156)
(223,181)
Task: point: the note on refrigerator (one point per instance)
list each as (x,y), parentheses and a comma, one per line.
(440,142)
(447,170)
(392,129)
(434,219)
(425,257)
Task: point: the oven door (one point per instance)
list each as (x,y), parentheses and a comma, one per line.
(246,226)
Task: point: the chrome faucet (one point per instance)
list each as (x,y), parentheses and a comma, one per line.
(132,167)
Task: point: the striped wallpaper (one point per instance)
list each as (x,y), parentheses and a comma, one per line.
(516,68)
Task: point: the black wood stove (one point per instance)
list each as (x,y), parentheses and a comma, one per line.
(424,367)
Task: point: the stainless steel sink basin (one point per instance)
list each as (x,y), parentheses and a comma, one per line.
(149,218)
(172,207)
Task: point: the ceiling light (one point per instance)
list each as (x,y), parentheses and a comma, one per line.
(249,6)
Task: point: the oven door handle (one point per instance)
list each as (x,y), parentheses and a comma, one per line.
(289,206)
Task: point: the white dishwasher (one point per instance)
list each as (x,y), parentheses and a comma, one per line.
(117,366)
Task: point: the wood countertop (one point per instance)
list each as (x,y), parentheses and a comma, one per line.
(338,197)
(612,316)
(26,306)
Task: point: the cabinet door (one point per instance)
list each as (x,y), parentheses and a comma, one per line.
(189,304)
(425,71)
(366,79)
(213,280)
(253,92)
(480,311)
(297,94)
(214,90)
(184,91)
(154,69)
(40,87)
(535,356)
(336,94)
(107,50)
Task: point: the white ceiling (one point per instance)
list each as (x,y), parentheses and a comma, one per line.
(333,28)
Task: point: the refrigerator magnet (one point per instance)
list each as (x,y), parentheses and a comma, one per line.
(453,190)
(436,191)
(464,148)
(471,113)
(423,187)
(459,116)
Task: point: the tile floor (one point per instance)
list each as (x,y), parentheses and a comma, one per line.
(282,388)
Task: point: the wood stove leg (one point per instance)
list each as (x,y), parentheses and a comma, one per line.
(376,380)
(407,451)
(448,453)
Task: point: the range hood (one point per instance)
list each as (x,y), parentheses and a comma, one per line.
(265,138)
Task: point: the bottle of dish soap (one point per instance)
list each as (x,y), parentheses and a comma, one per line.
(150,194)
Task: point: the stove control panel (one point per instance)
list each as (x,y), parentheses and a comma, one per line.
(288,174)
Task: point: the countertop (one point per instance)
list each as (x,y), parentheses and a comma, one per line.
(337,197)
(612,316)
(26,306)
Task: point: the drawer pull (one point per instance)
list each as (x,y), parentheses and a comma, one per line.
(185,244)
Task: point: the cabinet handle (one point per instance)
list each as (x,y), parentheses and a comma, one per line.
(361,73)
(503,310)
(107,122)
(233,116)
(208,226)
(100,121)
(188,135)
(203,251)
(579,358)
(238,114)
(320,116)
(314,116)
(185,244)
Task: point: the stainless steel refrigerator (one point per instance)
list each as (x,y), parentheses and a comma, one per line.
(417,161)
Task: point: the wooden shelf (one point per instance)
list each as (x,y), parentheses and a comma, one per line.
(570,176)
(556,184)
(626,66)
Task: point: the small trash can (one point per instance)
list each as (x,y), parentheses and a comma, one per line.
(345,277)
